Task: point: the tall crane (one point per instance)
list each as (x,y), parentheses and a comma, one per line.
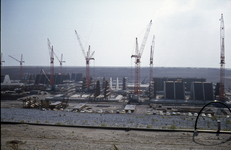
(20,61)
(51,52)
(222,62)
(60,61)
(88,57)
(138,55)
(151,69)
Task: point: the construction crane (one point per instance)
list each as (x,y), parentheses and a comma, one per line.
(51,52)
(138,55)
(61,62)
(20,61)
(222,62)
(88,57)
(151,69)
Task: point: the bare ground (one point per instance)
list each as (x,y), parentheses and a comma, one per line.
(29,137)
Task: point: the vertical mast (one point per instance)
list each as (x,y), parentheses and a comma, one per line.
(222,62)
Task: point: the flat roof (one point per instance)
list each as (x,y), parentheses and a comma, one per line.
(80,105)
(75,95)
(130,107)
(55,103)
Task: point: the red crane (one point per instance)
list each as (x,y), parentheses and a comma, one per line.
(51,52)
(138,55)
(61,62)
(88,57)
(20,61)
(222,62)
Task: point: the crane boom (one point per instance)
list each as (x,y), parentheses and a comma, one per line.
(20,61)
(80,44)
(145,38)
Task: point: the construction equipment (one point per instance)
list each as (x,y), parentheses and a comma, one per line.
(51,52)
(222,62)
(151,86)
(60,61)
(138,55)
(20,61)
(88,57)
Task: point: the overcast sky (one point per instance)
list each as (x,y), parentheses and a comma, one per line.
(187,31)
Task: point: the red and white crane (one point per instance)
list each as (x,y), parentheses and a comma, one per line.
(51,52)
(138,55)
(88,57)
(61,62)
(222,62)
(20,61)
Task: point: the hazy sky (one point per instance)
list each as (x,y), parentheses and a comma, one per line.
(187,31)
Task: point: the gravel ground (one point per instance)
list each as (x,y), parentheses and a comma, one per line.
(110,120)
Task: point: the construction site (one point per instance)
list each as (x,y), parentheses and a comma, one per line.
(116,99)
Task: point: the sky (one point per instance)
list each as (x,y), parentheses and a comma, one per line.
(187,32)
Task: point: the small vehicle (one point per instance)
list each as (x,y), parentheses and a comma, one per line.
(168,113)
(161,113)
(148,112)
(173,113)
(117,111)
(100,111)
(195,114)
(129,111)
(189,114)
(203,115)
(209,115)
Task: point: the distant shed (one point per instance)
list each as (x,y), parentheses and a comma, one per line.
(130,107)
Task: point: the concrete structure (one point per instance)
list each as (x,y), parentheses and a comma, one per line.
(202,91)
(174,90)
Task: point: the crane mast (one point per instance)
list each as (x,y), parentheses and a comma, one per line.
(51,52)
(137,56)
(151,59)
(20,61)
(151,68)
(222,60)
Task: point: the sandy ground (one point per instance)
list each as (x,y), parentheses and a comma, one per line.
(29,137)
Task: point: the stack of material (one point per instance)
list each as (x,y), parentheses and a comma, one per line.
(30,103)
